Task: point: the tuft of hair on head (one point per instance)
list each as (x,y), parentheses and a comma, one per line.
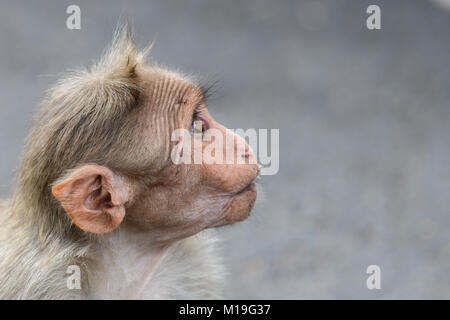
(112,79)
(120,60)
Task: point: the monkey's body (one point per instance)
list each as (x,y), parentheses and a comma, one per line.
(98,191)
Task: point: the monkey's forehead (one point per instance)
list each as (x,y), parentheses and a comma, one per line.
(157,81)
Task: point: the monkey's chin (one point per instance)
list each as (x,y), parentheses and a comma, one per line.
(241,205)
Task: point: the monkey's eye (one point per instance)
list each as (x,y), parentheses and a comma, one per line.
(198,126)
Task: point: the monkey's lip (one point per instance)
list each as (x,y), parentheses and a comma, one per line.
(251,186)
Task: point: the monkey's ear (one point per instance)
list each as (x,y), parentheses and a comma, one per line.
(94,197)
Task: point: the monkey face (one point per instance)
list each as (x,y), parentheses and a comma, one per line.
(190,196)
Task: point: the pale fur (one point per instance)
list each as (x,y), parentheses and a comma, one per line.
(37,239)
(188,269)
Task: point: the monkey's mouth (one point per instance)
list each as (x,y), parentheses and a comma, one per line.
(240,206)
(250,187)
(252,184)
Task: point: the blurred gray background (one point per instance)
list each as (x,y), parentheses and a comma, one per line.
(363,116)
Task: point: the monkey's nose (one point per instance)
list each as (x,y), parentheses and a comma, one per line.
(247,151)
(247,155)
(249,158)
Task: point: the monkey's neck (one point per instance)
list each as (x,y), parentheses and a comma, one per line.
(125,265)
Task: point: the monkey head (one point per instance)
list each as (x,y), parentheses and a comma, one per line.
(109,139)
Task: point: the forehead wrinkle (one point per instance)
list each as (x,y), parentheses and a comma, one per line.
(170,98)
(174,91)
(159,86)
(179,96)
(168,104)
(172,103)
(181,106)
(164,82)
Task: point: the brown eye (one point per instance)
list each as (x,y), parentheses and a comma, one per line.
(197,126)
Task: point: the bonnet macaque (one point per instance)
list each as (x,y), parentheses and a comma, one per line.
(98,188)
